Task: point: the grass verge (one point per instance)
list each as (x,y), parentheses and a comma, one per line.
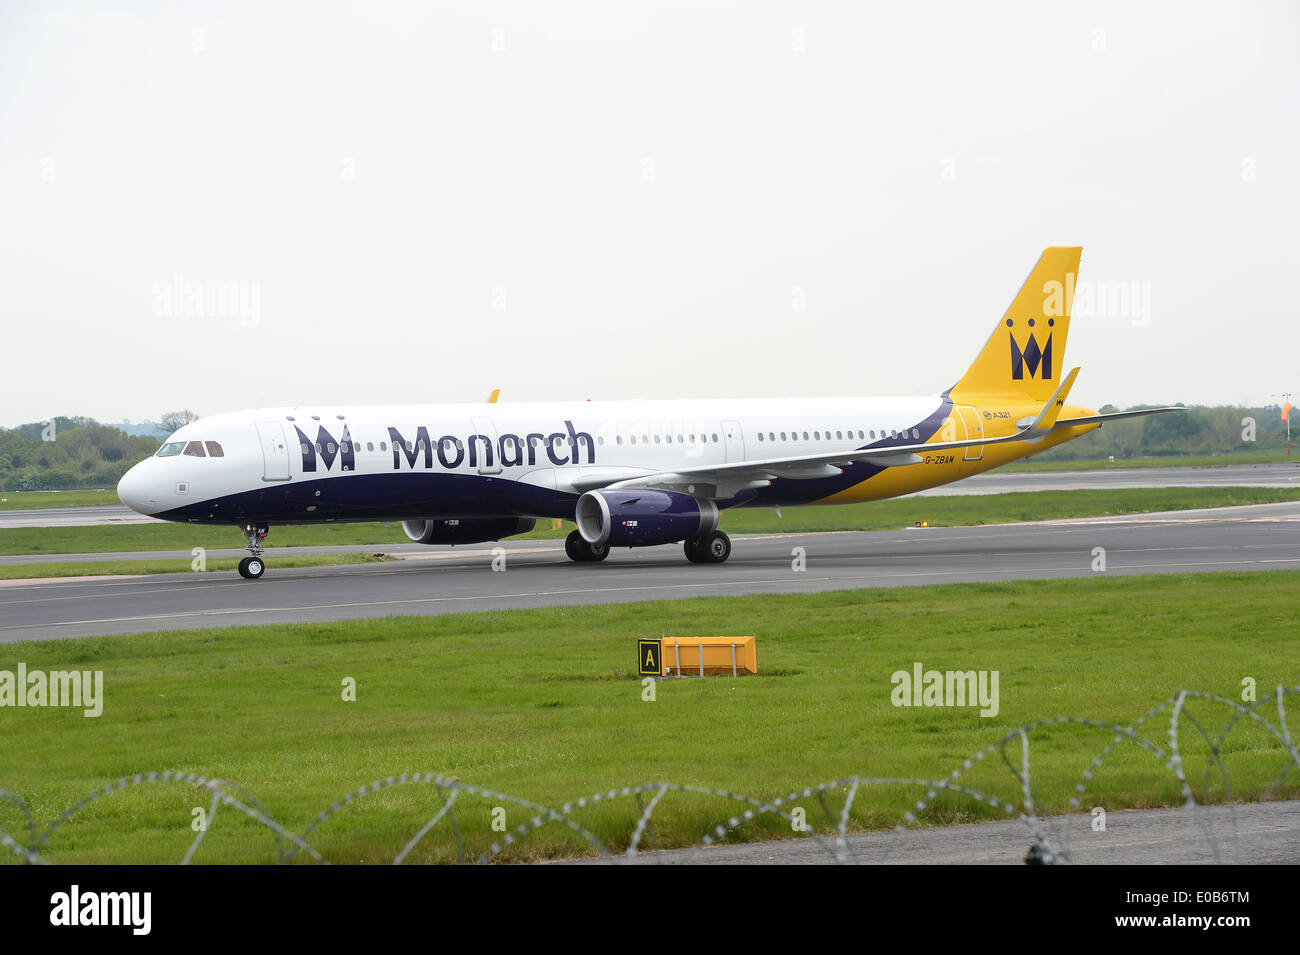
(545,704)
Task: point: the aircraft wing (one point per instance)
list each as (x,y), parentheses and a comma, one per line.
(726,480)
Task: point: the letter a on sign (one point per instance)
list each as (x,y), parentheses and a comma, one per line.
(648,659)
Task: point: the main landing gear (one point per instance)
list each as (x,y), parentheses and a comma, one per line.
(251,568)
(577,549)
(711,548)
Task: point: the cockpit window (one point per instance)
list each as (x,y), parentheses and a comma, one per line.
(214,449)
(195,449)
(171,449)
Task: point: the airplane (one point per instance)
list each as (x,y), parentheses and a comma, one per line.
(627,473)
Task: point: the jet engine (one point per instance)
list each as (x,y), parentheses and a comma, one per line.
(642,518)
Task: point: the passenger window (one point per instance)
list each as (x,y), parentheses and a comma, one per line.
(318,447)
(383,445)
(760,436)
(306,449)
(214,450)
(817,435)
(370,445)
(916,434)
(618,439)
(839,435)
(715,439)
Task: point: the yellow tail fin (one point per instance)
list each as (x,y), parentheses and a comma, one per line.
(1025,355)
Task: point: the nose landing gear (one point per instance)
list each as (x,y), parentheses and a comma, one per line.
(251,568)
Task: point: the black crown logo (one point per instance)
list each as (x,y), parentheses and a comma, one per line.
(1037,358)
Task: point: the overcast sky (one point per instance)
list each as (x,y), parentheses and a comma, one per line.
(421,202)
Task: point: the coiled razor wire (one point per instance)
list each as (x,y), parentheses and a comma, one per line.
(1051,842)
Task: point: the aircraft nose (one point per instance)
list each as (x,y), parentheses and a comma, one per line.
(136,492)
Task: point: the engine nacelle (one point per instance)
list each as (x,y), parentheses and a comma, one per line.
(642,518)
(466,530)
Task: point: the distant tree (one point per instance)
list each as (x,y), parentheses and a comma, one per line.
(175,420)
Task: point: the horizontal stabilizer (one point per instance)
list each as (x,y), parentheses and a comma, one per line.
(1114,416)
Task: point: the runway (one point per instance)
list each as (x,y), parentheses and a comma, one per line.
(993,482)
(1257,537)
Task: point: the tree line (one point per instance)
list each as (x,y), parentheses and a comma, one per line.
(75,452)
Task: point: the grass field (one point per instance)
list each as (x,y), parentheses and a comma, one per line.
(545,705)
(27,500)
(880,515)
(1164,461)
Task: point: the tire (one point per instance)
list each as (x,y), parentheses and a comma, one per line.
(577,549)
(254,568)
(691,548)
(715,547)
(597,552)
(243,567)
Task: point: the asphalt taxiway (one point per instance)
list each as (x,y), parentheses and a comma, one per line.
(536,574)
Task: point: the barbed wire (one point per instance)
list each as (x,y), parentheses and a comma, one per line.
(1050,841)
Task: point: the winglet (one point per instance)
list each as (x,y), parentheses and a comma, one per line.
(1046,419)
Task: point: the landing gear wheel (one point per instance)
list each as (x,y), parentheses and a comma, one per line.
(691,548)
(713,547)
(250,568)
(577,549)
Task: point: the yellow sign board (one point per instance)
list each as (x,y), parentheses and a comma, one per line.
(698,656)
(649,658)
